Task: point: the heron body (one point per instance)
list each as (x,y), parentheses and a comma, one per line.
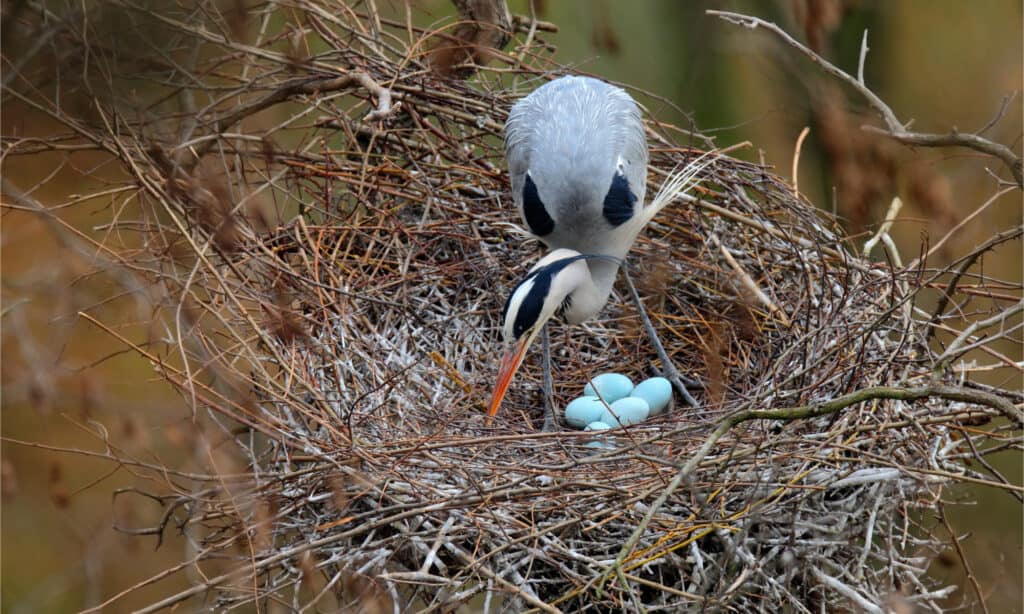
(577,157)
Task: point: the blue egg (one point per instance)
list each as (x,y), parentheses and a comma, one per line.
(597,425)
(611,386)
(630,410)
(584,410)
(657,391)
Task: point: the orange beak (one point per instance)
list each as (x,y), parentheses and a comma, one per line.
(509,365)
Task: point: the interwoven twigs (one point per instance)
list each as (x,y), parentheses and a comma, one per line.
(405,275)
(330,236)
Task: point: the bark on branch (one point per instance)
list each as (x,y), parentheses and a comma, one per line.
(484,26)
(788,414)
(894,128)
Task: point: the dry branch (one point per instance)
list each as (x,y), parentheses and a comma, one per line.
(328,294)
(894,128)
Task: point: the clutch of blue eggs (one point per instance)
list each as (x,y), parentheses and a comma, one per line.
(610,400)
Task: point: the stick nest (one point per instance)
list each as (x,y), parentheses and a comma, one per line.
(335,285)
(379,345)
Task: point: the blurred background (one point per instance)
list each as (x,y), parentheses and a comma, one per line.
(68,383)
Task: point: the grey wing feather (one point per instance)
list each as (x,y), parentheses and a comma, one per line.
(571,135)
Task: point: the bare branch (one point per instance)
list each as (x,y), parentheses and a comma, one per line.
(485,27)
(310,86)
(966,263)
(956,347)
(789,414)
(863,58)
(894,128)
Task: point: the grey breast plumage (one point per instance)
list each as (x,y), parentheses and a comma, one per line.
(577,156)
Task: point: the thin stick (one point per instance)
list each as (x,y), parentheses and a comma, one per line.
(894,129)
(796,159)
(749,283)
(863,58)
(963,559)
(890,217)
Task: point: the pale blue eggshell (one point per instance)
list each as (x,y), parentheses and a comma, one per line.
(582,411)
(630,410)
(597,425)
(657,391)
(612,386)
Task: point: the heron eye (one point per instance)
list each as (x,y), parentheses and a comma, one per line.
(619,202)
(537,217)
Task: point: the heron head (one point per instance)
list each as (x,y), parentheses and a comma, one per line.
(555,283)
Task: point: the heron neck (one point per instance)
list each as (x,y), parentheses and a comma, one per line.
(591,296)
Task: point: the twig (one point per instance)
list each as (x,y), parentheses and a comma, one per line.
(966,264)
(955,347)
(890,217)
(796,159)
(749,283)
(1003,106)
(963,558)
(847,591)
(863,58)
(789,414)
(309,86)
(985,205)
(894,129)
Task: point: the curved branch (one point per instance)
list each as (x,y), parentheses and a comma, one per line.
(894,128)
(315,85)
(788,414)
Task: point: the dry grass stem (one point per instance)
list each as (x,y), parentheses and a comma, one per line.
(323,228)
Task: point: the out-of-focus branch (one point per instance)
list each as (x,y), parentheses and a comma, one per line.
(894,128)
(40,40)
(484,26)
(310,86)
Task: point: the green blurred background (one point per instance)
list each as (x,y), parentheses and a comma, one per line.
(67,383)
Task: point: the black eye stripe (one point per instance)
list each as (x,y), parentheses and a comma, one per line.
(619,202)
(537,217)
(531,306)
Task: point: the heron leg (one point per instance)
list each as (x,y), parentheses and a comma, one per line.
(668,369)
(550,421)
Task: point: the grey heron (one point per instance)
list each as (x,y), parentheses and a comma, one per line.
(577,157)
